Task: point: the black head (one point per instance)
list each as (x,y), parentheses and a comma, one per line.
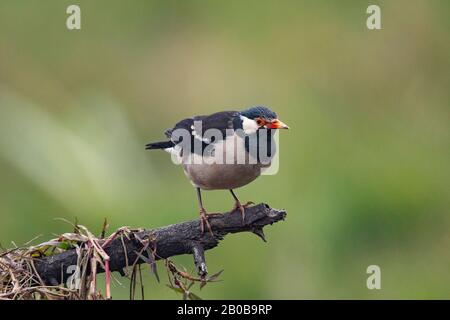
(259,112)
(261,117)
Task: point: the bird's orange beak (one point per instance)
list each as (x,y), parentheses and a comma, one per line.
(276,124)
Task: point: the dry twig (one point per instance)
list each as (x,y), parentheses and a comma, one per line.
(66,267)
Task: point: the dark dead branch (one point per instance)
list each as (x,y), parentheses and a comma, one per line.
(146,246)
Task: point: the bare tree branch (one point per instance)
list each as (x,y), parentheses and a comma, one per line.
(168,241)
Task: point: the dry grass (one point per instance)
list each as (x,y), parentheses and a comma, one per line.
(19,279)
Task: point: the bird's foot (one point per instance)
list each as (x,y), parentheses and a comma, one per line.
(242,207)
(204,220)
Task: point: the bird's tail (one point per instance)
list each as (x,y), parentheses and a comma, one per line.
(159,145)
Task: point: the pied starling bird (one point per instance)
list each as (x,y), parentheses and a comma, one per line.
(199,142)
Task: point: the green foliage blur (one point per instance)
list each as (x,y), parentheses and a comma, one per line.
(364,170)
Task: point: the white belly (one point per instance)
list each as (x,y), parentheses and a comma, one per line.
(221,176)
(235,170)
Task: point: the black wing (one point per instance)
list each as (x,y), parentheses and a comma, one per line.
(221,121)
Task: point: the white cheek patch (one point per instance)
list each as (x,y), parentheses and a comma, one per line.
(248,125)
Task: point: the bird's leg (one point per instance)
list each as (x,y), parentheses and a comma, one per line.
(203,214)
(240,206)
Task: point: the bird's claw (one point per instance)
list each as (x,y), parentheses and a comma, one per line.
(242,207)
(248,204)
(204,220)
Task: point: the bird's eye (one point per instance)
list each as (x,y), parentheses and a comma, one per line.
(259,122)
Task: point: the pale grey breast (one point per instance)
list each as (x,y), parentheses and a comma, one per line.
(213,176)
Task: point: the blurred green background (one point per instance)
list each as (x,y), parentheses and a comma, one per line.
(364,170)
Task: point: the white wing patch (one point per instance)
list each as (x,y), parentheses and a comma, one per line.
(199,136)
